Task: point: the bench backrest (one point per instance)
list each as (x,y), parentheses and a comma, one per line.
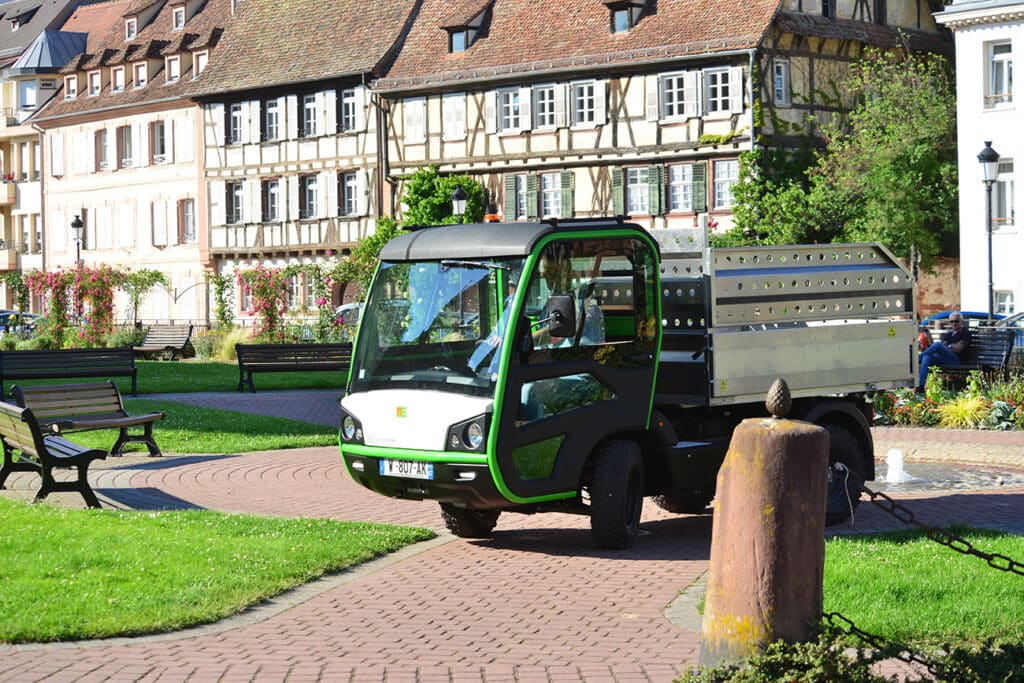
(67,359)
(294,353)
(168,335)
(990,347)
(53,402)
(20,431)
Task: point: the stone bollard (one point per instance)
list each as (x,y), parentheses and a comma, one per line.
(768,538)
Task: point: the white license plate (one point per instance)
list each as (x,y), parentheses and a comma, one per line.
(407,468)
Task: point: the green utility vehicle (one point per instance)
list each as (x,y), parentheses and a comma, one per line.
(582,365)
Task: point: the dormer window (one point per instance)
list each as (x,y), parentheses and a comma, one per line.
(95,83)
(173,69)
(117,79)
(178,18)
(625,14)
(139,73)
(458,40)
(70,87)
(19,19)
(131,29)
(199,59)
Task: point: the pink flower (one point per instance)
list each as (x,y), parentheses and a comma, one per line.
(321,301)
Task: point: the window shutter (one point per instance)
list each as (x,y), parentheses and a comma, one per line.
(330,116)
(531,197)
(104,238)
(331,181)
(361,208)
(691,93)
(111,150)
(568,201)
(736,88)
(126,225)
(618,193)
(290,112)
(89,234)
(525,109)
(360,105)
(600,105)
(491,112)
(253,203)
(510,198)
(140,145)
(293,197)
(561,98)
(323,182)
(656,188)
(159,223)
(215,125)
(700,187)
(56,154)
(185,146)
(253,113)
(652,92)
(173,224)
(218,194)
(414,120)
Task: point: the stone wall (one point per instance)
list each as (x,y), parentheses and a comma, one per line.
(939,290)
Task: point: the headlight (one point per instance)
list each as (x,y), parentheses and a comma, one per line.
(470,435)
(351,430)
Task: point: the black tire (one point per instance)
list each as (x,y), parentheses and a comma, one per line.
(469,523)
(683,503)
(841,500)
(616,495)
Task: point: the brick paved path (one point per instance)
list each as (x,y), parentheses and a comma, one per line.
(535,603)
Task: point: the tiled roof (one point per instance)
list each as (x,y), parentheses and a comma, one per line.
(106,47)
(277,42)
(461,12)
(13,43)
(567,35)
(862,31)
(139,6)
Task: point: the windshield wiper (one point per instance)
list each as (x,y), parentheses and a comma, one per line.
(448,263)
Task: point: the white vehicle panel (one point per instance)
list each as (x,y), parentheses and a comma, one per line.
(404,418)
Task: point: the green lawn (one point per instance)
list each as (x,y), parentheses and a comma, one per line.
(192,429)
(909,589)
(71,574)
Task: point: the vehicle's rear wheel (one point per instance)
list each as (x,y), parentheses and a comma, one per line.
(683,503)
(616,494)
(469,523)
(843,486)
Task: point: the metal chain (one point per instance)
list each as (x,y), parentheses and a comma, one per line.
(941,536)
(879,644)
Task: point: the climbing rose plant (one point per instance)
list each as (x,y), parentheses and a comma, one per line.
(96,286)
(268,289)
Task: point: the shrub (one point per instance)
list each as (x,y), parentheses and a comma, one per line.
(126,336)
(206,343)
(9,342)
(964,412)
(239,335)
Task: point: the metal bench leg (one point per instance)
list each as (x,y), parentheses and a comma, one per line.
(85,489)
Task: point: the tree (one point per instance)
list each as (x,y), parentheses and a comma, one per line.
(138,284)
(428,198)
(361,264)
(887,172)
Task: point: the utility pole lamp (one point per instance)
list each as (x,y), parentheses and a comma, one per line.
(989,160)
(77,226)
(459,198)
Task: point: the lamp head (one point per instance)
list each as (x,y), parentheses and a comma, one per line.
(989,159)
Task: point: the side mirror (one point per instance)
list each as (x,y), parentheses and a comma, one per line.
(561,316)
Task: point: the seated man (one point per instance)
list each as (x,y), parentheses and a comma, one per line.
(948,350)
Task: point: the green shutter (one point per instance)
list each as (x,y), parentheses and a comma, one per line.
(618,193)
(656,189)
(568,200)
(531,197)
(510,198)
(700,187)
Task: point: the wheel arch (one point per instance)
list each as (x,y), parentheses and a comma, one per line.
(848,414)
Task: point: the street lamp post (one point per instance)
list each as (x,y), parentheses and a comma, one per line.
(76,229)
(989,160)
(459,198)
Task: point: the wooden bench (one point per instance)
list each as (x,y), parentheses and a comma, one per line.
(988,352)
(164,341)
(67,364)
(334,357)
(27,449)
(65,408)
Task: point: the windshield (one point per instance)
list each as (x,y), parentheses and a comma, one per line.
(434,325)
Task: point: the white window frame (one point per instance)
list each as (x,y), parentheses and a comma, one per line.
(509,110)
(726,174)
(545,106)
(199,61)
(158,136)
(234,202)
(272,190)
(188,218)
(1003,208)
(550,195)
(271,119)
(998,74)
(584,103)
(140,74)
(131,29)
(235,124)
(348,204)
(716,91)
(178,18)
(347,110)
(309,191)
(310,117)
(127,147)
(1004,302)
(173,69)
(780,82)
(95,83)
(117,79)
(70,87)
(680,188)
(638,191)
(521,197)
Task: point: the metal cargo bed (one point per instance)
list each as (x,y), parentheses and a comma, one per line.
(829,319)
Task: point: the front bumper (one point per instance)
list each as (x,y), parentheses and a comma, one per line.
(464,484)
